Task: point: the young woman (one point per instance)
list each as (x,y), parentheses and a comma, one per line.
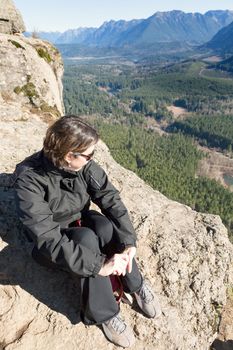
(54,188)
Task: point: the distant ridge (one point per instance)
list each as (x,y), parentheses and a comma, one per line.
(222,42)
(195,28)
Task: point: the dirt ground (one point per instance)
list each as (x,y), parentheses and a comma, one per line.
(215,165)
(178,112)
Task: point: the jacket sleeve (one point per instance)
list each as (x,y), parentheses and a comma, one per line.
(36,216)
(107,197)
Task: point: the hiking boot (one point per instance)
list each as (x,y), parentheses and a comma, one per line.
(147,301)
(117,331)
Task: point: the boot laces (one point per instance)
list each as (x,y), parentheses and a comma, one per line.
(118,324)
(145,294)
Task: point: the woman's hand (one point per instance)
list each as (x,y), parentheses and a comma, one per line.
(131,251)
(116,265)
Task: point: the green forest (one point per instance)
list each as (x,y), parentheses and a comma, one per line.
(117,91)
(212,131)
(119,99)
(168,163)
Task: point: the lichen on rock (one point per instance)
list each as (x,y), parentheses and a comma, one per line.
(28,80)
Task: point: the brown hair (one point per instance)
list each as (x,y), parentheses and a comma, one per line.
(68,134)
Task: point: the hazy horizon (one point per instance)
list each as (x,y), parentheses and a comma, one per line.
(41,16)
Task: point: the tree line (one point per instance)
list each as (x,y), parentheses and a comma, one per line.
(212,131)
(168,164)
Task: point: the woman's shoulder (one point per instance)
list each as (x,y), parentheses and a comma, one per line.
(30,167)
(92,168)
(94,175)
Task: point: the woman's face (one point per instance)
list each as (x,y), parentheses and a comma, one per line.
(77,160)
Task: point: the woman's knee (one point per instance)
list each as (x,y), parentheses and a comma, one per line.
(101,225)
(86,237)
(105,229)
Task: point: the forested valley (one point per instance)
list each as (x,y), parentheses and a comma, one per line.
(129,103)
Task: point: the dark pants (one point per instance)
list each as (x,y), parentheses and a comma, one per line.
(98,303)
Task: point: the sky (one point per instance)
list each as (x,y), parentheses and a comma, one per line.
(60,15)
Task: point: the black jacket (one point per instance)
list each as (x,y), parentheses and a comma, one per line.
(49,198)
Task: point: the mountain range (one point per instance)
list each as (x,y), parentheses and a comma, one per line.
(166,27)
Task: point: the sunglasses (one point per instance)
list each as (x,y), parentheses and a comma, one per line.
(86,156)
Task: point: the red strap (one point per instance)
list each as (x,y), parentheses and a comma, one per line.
(78,223)
(117,287)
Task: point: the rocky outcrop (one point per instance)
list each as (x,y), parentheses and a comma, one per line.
(11,21)
(30,78)
(30,90)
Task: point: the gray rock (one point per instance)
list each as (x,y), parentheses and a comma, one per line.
(186,255)
(11,21)
(30,91)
